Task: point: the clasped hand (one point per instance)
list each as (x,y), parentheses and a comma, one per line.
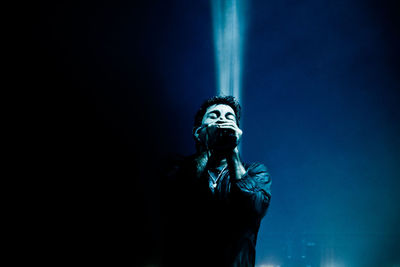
(211,135)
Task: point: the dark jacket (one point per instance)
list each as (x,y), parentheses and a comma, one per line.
(206,228)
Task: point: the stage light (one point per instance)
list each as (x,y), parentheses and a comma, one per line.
(229,30)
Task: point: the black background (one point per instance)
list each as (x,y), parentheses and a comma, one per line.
(102,107)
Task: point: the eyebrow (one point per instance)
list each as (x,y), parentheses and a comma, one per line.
(215,111)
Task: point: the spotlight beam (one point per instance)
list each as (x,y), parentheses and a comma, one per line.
(228,26)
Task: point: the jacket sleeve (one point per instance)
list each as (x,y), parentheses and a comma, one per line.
(253,190)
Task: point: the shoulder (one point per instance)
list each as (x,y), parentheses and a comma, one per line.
(255,168)
(258,173)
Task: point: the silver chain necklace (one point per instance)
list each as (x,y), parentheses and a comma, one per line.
(215,181)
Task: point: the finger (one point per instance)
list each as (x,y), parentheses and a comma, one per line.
(236,131)
(228,126)
(213,125)
(224,126)
(230,123)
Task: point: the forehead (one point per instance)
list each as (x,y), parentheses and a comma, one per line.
(221,108)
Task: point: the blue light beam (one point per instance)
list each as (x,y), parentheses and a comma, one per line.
(228,25)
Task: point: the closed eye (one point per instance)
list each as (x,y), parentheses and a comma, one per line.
(230,116)
(213,114)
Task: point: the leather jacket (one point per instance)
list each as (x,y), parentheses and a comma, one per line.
(209,222)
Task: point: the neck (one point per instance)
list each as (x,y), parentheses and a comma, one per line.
(216,163)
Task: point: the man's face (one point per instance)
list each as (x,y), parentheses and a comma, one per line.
(219,113)
(219,119)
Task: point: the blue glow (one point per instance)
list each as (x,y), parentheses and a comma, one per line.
(228,24)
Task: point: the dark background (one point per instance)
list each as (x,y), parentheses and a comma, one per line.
(117,85)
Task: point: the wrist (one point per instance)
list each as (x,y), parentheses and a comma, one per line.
(235,165)
(233,155)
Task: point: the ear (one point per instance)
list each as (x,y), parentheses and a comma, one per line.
(196,133)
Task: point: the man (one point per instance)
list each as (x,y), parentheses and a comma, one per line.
(215,202)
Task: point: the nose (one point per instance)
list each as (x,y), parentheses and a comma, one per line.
(221,120)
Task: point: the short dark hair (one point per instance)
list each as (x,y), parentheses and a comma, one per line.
(216,100)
